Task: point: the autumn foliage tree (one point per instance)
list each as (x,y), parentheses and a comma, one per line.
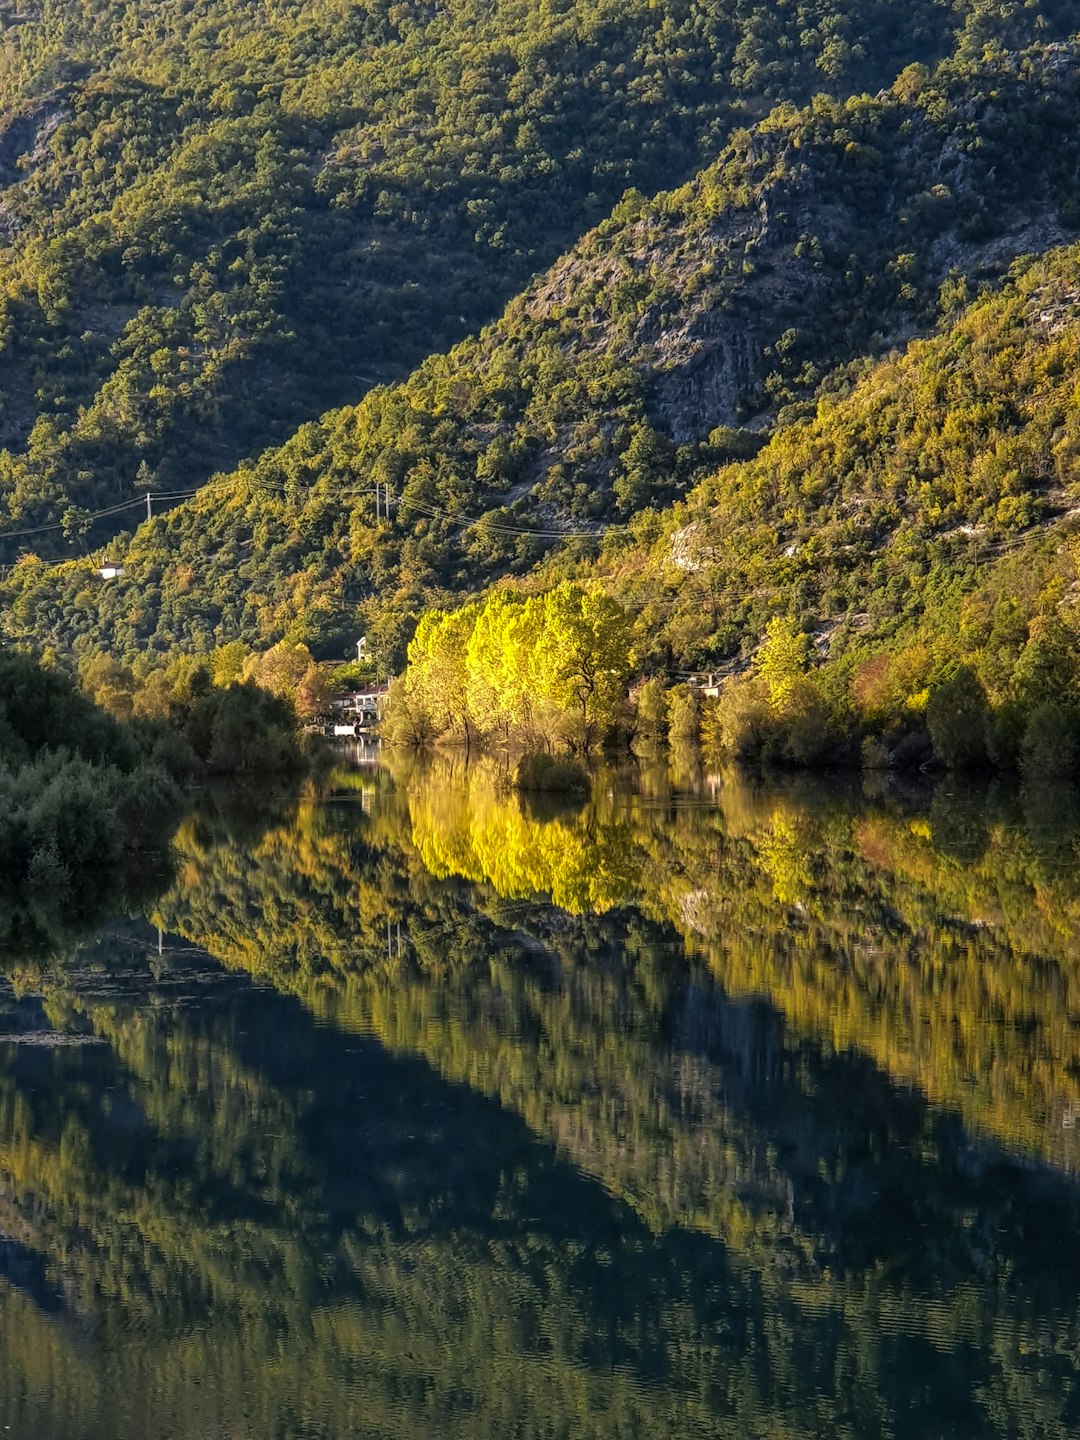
(547,669)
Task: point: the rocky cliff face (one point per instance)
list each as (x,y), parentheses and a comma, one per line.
(819,235)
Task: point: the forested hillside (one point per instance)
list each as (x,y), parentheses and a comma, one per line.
(661,346)
(216,221)
(940,492)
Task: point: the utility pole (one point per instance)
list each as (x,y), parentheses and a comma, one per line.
(144,479)
(382,500)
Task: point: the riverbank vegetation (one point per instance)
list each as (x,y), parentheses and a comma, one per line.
(78,794)
(228,712)
(922,704)
(554,669)
(86,794)
(548,669)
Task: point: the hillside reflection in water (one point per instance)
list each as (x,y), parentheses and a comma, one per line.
(707,1108)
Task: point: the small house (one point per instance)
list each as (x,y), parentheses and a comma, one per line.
(367,705)
(110,569)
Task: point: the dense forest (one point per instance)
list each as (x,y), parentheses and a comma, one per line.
(904,497)
(821,389)
(215,223)
(672,339)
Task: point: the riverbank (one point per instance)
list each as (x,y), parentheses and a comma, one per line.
(88,804)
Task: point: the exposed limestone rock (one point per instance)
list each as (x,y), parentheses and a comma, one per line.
(722,292)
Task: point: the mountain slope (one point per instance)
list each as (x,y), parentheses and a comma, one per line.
(940,492)
(217,220)
(818,233)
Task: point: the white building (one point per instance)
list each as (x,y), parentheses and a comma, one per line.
(365,705)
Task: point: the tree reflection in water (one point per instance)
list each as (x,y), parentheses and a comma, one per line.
(708,1107)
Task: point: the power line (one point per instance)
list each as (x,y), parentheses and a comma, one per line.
(384,500)
(59,524)
(96,514)
(500,527)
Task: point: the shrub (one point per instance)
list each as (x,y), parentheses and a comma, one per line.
(740,724)
(244,728)
(543,773)
(805,727)
(47,875)
(651,712)
(407,720)
(41,709)
(874,754)
(151,801)
(913,750)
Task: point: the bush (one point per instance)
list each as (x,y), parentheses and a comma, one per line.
(913,750)
(407,720)
(542,773)
(243,728)
(805,726)
(874,754)
(740,723)
(42,709)
(684,713)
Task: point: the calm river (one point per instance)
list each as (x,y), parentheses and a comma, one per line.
(408,1109)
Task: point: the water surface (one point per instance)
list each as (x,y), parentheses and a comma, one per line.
(711,1108)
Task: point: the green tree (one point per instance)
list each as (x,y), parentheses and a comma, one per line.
(76,525)
(957,717)
(1048,747)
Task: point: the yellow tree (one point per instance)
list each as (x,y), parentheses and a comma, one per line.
(583,652)
(281,669)
(109,684)
(499,694)
(781,661)
(437,678)
(228,661)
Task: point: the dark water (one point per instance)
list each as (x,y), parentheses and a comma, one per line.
(711,1109)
